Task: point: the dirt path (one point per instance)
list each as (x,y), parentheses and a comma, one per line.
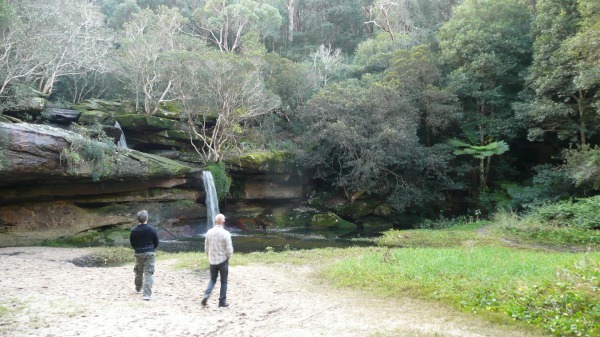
(43,294)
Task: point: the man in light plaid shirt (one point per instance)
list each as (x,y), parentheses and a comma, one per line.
(218,248)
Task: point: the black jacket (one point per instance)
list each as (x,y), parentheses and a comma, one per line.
(143,238)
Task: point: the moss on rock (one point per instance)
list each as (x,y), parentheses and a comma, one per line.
(273,161)
(145,122)
(330,220)
(90,117)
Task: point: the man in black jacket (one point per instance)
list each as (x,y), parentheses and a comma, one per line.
(144,240)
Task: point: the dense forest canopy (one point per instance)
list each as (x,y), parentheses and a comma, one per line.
(420,102)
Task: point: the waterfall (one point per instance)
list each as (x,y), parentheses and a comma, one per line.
(122,143)
(212,202)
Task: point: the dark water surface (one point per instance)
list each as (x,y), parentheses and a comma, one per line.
(278,239)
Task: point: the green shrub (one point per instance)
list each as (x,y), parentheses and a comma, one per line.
(221,179)
(577,213)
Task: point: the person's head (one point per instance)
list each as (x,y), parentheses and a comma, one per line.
(142,216)
(219,219)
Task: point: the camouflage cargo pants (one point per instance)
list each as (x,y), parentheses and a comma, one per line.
(144,273)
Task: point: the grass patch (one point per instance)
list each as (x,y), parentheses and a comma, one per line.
(106,257)
(10,309)
(557,291)
(463,234)
(197,260)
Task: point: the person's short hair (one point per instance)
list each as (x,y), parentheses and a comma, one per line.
(142,216)
(219,218)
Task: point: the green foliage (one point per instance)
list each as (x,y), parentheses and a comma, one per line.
(487,46)
(415,74)
(221,179)
(583,166)
(479,152)
(289,80)
(362,137)
(373,55)
(577,213)
(564,75)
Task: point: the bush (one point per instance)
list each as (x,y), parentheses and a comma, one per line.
(221,179)
(578,213)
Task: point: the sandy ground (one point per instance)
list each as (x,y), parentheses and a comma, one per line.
(43,294)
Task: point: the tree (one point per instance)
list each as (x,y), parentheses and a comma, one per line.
(224,22)
(13,64)
(221,94)
(289,80)
(118,12)
(62,38)
(338,23)
(373,55)
(416,75)
(326,64)
(415,19)
(483,153)
(561,83)
(362,137)
(487,47)
(146,54)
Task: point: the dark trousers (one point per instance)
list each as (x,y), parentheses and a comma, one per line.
(215,269)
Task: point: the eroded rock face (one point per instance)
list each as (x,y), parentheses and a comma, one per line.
(29,152)
(44,196)
(32,223)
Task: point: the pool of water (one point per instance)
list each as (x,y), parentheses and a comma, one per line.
(278,239)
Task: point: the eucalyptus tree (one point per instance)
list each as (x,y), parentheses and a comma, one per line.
(487,47)
(564,75)
(418,19)
(362,137)
(326,64)
(60,38)
(147,50)
(118,12)
(220,93)
(12,59)
(290,80)
(339,23)
(225,22)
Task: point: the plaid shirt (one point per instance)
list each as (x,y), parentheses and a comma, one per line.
(217,245)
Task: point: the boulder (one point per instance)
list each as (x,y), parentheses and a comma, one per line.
(330,220)
(61,116)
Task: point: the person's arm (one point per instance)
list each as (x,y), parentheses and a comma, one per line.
(155,238)
(206,245)
(229,247)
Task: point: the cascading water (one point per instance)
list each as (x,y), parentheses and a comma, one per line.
(122,142)
(212,202)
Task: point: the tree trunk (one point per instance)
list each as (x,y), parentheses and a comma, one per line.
(582,124)
(291,10)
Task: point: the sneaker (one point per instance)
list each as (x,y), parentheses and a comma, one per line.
(146,298)
(204,301)
(223,305)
